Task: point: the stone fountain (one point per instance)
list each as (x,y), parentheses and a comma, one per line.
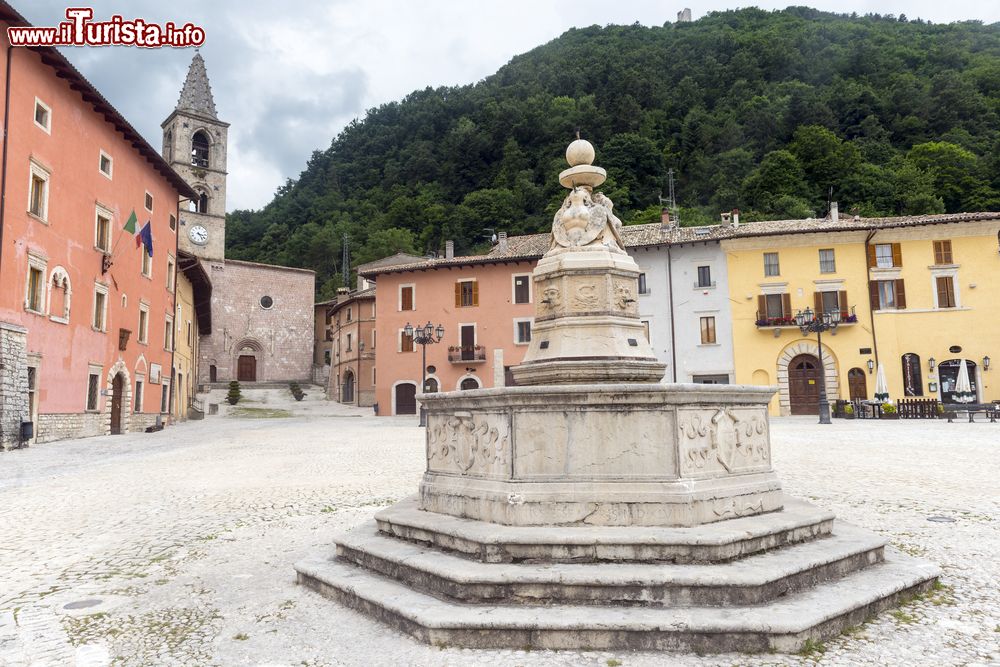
(645,515)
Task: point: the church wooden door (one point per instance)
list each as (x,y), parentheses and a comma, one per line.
(246,368)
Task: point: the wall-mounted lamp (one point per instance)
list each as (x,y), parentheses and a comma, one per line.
(871,366)
(986,363)
(931,363)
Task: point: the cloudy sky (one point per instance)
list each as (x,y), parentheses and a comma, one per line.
(289,76)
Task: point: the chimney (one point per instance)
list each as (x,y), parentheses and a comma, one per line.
(502,242)
(736,218)
(341,291)
(665,222)
(727,218)
(834,212)
(449,250)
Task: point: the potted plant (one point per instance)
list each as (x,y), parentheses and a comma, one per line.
(233,396)
(849,411)
(296,391)
(889,411)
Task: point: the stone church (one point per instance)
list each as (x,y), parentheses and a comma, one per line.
(262,315)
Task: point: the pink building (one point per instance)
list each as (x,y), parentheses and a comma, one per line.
(486,306)
(86,317)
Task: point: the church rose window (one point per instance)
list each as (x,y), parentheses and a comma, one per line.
(266,302)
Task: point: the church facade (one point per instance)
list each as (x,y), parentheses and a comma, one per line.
(262,315)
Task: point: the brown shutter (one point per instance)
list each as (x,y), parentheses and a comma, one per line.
(938,252)
(475,292)
(872,260)
(897,255)
(947,252)
(786,305)
(873,294)
(761,306)
(900,294)
(818,302)
(842,303)
(458,295)
(407,298)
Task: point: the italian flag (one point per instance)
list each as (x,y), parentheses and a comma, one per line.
(130,223)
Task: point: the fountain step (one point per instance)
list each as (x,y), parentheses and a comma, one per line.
(752,580)
(714,542)
(784,624)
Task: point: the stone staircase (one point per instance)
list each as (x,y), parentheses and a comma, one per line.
(768,582)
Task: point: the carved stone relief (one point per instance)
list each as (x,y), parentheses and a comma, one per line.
(723,440)
(625,297)
(476,445)
(586,297)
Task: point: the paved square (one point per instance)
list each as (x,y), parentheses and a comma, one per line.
(176,548)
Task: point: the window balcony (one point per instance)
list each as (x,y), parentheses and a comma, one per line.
(707,285)
(467,354)
(765,322)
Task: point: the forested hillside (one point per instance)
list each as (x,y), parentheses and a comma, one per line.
(763,111)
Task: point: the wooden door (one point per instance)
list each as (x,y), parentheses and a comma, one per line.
(406,399)
(117,386)
(246,368)
(468,343)
(858,384)
(348,392)
(803,384)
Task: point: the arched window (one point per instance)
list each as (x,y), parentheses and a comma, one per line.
(431,387)
(912,382)
(199,149)
(469,383)
(168,145)
(59,295)
(202,202)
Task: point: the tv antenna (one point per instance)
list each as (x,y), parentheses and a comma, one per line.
(670,203)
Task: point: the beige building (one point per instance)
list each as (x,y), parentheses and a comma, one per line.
(192,319)
(352,347)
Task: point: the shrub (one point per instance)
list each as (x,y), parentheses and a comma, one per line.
(848,409)
(888,409)
(296,391)
(234,395)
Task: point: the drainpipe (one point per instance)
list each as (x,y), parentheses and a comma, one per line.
(3,160)
(173,308)
(871,306)
(670,309)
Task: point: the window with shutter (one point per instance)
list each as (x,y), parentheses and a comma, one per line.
(900,295)
(466,293)
(942,252)
(786,306)
(945,292)
(897,255)
(406,298)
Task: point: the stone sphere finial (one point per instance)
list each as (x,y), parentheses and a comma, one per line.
(580,152)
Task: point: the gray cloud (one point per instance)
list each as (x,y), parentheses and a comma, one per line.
(289,81)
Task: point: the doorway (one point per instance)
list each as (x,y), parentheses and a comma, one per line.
(468,342)
(948,374)
(803,385)
(347,395)
(117,391)
(246,368)
(406,399)
(857,383)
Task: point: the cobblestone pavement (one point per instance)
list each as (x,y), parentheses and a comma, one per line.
(176,548)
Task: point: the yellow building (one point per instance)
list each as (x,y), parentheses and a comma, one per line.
(192,318)
(914,294)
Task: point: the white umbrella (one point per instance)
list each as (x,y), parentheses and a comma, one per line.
(963,388)
(881,386)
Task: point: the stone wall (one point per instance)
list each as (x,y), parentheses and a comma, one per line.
(140,421)
(13,383)
(279,335)
(63,426)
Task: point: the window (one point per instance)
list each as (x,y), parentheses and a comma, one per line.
(522,289)
(149,202)
(522,332)
(38,194)
(35,293)
(942,252)
(138,394)
(827,261)
(885,255)
(406,297)
(168,145)
(199,149)
(466,293)
(147,264)
(643,288)
(105,164)
(189,333)
(887,294)
(143,323)
(266,302)
(173,222)
(93,390)
(830,302)
(469,383)
(405,342)
(102,230)
(350,314)
(774,307)
(168,334)
(373,339)
(707,330)
(165,395)
(170,273)
(43,115)
(705,276)
(710,379)
(201,204)
(945,291)
(32,389)
(349,342)
(771,267)
(100,314)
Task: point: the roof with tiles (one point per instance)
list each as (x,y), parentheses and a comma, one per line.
(533,246)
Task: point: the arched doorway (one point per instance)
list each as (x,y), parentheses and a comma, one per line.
(948,374)
(246,368)
(803,384)
(406,399)
(347,392)
(469,383)
(432,386)
(858,384)
(117,395)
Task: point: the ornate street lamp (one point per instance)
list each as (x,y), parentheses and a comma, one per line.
(817,323)
(871,366)
(424,336)
(986,363)
(931,363)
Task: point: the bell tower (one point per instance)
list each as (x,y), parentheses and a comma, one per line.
(194,144)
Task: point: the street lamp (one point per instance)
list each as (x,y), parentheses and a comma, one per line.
(424,336)
(931,363)
(986,363)
(871,366)
(810,322)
